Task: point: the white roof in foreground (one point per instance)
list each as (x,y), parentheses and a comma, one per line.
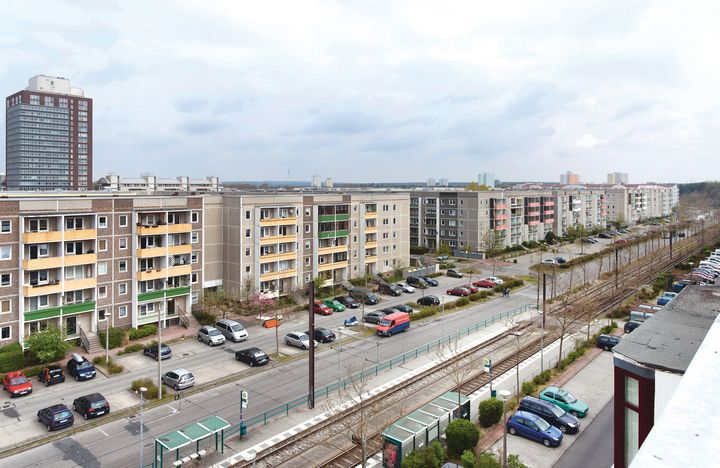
(687,433)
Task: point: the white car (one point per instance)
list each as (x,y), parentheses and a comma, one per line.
(550,261)
(405,287)
(495,280)
(299,340)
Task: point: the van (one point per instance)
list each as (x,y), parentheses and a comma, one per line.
(365,296)
(389,289)
(232,330)
(636,316)
(393,323)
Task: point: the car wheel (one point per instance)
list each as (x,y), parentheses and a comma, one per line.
(199,339)
(304,347)
(237,358)
(74,407)
(252,364)
(85,416)
(606,348)
(176,388)
(47,383)
(512,431)
(77,378)
(287,342)
(563,429)
(574,413)
(546,442)
(49,428)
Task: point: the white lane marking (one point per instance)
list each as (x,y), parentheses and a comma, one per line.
(104,433)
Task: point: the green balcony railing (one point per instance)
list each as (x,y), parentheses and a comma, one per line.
(172,292)
(51,312)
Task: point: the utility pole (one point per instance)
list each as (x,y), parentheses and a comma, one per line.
(616,268)
(311,364)
(159,352)
(542,333)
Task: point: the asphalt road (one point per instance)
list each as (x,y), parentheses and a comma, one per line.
(594,447)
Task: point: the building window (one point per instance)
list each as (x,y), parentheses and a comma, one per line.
(247,214)
(307,261)
(307,213)
(194,257)
(5,306)
(632,391)
(102,268)
(5,333)
(194,298)
(122,288)
(123,220)
(247,269)
(122,266)
(307,245)
(354,239)
(247,233)
(5,226)
(247,251)
(194,237)
(102,291)
(194,278)
(632,433)
(6,252)
(34,100)
(5,279)
(102,221)
(38,225)
(122,311)
(122,243)
(82,105)
(102,315)
(194,217)
(307,227)
(102,245)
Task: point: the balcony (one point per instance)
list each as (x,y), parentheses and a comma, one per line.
(331,234)
(371,244)
(370,229)
(501,227)
(371,215)
(533,213)
(274,275)
(78,284)
(164,229)
(549,212)
(333,249)
(500,206)
(332,266)
(278,257)
(549,220)
(84,259)
(44,263)
(333,217)
(51,312)
(80,234)
(162,273)
(278,221)
(163,293)
(371,259)
(162,251)
(548,203)
(277,239)
(533,204)
(57,286)
(533,223)
(179,270)
(501,216)
(42,237)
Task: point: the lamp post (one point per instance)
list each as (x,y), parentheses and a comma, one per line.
(504,396)
(142,432)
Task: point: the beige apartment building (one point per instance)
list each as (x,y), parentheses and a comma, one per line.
(87,261)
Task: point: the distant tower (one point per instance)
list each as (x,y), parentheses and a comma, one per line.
(617,178)
(431,182)
(487,179)
(329,182)
(315,181)
(569,178)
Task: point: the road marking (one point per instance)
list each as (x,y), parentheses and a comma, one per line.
(104,433)
(172,409)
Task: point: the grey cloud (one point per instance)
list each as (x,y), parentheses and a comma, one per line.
(197,126)
(345,123)
(190,105)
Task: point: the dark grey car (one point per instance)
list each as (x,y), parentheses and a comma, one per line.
(373,317)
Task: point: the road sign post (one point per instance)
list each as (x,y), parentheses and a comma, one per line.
(487,367)
(243,405)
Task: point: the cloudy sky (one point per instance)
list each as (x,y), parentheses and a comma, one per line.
(383,91)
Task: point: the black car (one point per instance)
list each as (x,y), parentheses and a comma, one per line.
(430,281)
(604,235)
(560,260)
(403,308)
(348,301)
(389,289)
(551,413)
(607,342)
(454,274)
(252,357)
(631,325)
(80,368)
(91,406)
(417,282)
(428,301)
(56,417)
(390,310)
(373,317)
(152,351)
(51,375)
(322,335)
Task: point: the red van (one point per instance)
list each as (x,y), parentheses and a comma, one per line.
(393,323)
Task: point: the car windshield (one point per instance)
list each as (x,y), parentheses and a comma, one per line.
(384,323)
(237,327)
(303,337)
(257,353)
(98,404)
(61,415)
(557,411)
(567,395)
(542,424)
(213,332)
(84,365)
(18,380)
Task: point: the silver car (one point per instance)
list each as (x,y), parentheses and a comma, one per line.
(232,330)
(179,379)
(210,335)
(405,287)
(299,340)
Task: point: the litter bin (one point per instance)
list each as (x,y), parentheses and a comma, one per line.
(493,393)
(243,429)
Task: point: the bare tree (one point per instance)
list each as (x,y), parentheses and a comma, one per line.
(520,340)
(459,370)
(220,303)
(567,314)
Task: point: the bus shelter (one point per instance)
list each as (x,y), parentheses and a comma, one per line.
(194,433)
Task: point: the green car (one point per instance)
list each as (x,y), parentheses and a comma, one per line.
(565,400)
(334,305)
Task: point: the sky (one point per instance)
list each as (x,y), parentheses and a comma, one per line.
(378,91)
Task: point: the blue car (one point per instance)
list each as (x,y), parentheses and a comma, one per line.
(534,427)
(55,417)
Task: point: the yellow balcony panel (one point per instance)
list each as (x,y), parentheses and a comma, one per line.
(151,275)
(371,244)
(179,270)
(44,263)
(333,249)
(84,259)
(274,275)
(179,228)
(41,290)
(370,229)
(278,221)
(278,257)
(371,215)
(151,230)
(179,249)
(42,237)
(79,234)
(151,252)
(371,259)
(332,266)
(75,285)
(277,239)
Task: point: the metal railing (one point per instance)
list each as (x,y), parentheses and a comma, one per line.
(84,339)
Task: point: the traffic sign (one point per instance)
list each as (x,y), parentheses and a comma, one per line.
(487,365)
(244,399)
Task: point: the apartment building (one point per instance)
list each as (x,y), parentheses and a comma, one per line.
(151,183)
(634,202)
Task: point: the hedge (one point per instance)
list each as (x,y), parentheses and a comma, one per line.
(133,348)
(142,332)
(203,317)
(152,390)
(12,357)
(529,387)
(111,366)
(117,337)
(463,301)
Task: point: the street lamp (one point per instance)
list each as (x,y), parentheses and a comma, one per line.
(142,433)
(504,396)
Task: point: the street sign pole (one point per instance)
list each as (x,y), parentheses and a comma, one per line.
(243,405)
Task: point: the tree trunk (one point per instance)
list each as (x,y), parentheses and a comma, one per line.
(562,336)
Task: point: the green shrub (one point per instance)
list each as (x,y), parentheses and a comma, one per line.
(490,412)
(133,348)
(461,435)
(152,390)
(116,338)
(111,366)
(427,311)
(33,371)
(467,459)
(47,345)
(204,318)
(418,250)
(463,301)
(447,265)
(528,388)
(572,356)
(142,332)
(426,457)
(475,296)
(12,358)
(450,305)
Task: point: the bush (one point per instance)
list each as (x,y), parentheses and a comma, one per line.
(529,387)
(111,366)
(426,457)
(203,317)
(426,311)
(12,358)
(117,337)
(142,332)
(463,301)
(542,377)
(476,296)
(490,412)
(467,459)
(418,250)
(461,435)
(47,345)
(133,348)
(152,390)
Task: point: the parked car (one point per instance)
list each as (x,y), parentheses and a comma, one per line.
(485,283)
(17,384)
(470,288)
(389,289)
(323,335)
(252,357)
(560,260)
(565,400)
(586,240)
(348,301)
(442,258)
(179,379)
(393,323)
(51,375)
(631,325)
(550,261)
(322,309)
(405,287)
(454,274)
(80,368)
(336,306)
(91,406)
(299,340)
(55,417)
(232,330)
(428,301)
(496,280)
(373,317)
(152,351)
(604,235)
(458,292)
(417,282)
(551,413)
(607,342)
(404,308)
(389,310)
(534,427)
(622,242)
(365,296)
(210,335)
(430,281)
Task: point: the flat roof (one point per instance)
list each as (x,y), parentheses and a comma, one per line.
(670,338)
(192,433)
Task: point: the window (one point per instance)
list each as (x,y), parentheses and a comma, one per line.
(307,227)
(122,243)
(194,237)
(5,279)
(194,257)
(6,252)
(194,298)
(122,311)
(247,251)
(73,224)
(102,291)
(122,288)
(102,268)
(122,220)
(354,239)
(102,315)
(247,269)
(194,278)
(632,434)
(307,213)
(5,306)
(38,302)
(247,214)
(5,333)
(102,221)
(247,232)
(102,245)
(194,217)
(307,245)
(307,261)
(632,391)
(38,225)
(82,105)
(5,226)
(34,100)
(122,266)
